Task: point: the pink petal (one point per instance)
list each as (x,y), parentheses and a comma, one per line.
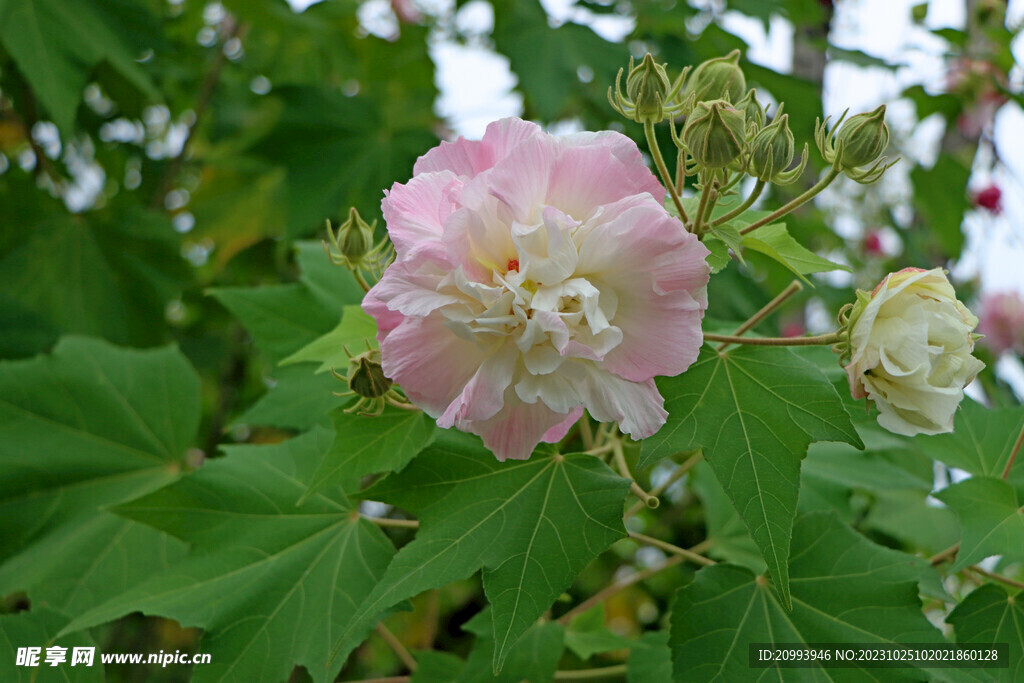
(431,364)
(585,178)
(484,394)
(416,212)
(636,406)
(659,273)
(626,151)
(469,158)
(517,429)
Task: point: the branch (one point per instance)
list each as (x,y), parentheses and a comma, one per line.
(820,340)
(674,549)
(1013,454)
(946,554)
(586,674)
(617,587)
(396,645)
(832,174)
(386,521)
(206,89)
(975,569)
(665,485)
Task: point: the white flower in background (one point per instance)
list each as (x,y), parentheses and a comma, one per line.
(910,344)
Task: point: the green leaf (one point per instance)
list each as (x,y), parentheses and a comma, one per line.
(719,257)
(109,277)
(991,516)
(298,399)
(365,445)
(355,329)
(981,441)
(337,153)
(650,660)
(88,427)
(727,533)
(56,44)
(532,526)
(284,318)
(776,243)
(988,615)
(37,629)
(940,200)
(271,582)
(281,318)
(436,666)
(845,590)
(533,657)
(547,60)
(754,409)
(586,635)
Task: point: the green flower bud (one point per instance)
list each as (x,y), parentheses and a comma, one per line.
(862,139)
(352,242)
(752,109)
(772,149)
(718,78)
(715,133)
(366,376)
(647,86)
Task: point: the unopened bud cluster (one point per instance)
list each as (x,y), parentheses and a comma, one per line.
(725,128)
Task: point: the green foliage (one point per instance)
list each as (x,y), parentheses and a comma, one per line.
(531,526)
(754,410)
(845,589)
(166,169)
(272,582)
(110,424)
(988,615)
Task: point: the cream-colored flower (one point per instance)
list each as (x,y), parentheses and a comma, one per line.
(910,344)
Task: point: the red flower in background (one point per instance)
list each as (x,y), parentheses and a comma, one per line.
(989,198)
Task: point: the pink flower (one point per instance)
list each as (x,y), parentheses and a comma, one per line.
(1002,322)
(536,276)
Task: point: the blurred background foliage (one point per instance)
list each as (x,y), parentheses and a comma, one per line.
(154,150)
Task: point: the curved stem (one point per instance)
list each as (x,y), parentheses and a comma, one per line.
(820,340)
(587,674)
(674,549)
(747,203)
(1013,454)
(766,310)
(617,587)
(832,174)
(385,521)
(396,645)
(946,554)
(666,178)
(667,484)
(361,280)
(620,461)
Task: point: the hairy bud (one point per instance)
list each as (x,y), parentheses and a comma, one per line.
(647,86)
(772,150)
(716,79)
(715,133)
(863,138)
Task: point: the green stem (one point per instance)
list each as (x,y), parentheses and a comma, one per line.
(666,178)
(1013,454)
(620,461)
(361,280)
(707,189)
(587,674)
(820,340)
(680,172)
(832,174)
(664,486)
(674,549)
(769,308)
(747,203)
